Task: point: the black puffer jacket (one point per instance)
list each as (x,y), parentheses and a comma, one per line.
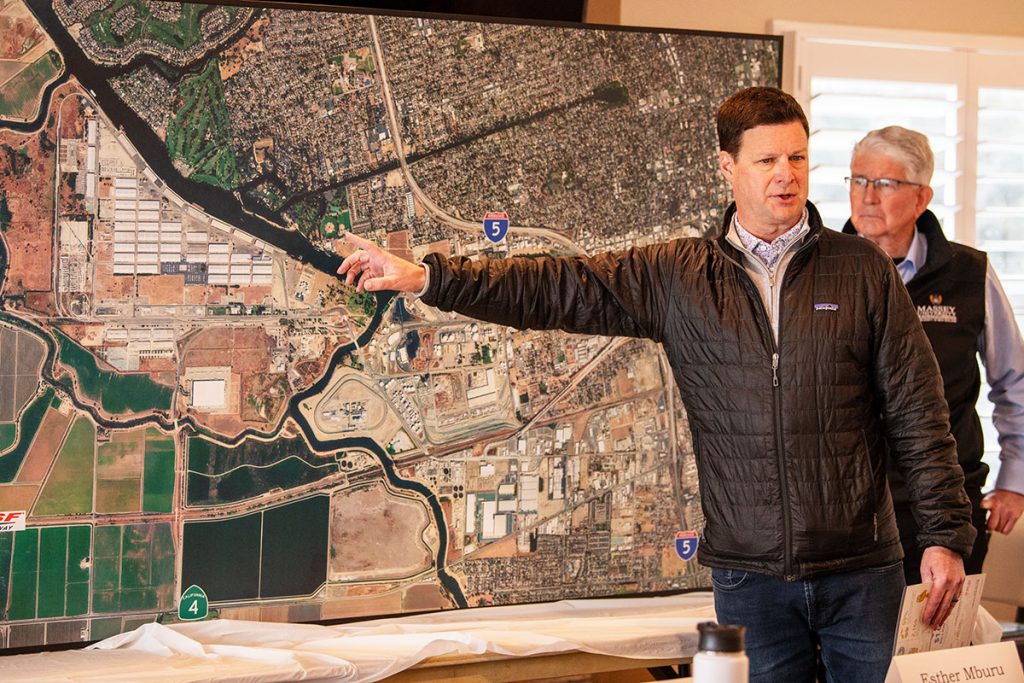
(789,437)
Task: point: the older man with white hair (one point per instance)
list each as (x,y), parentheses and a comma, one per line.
(965,314)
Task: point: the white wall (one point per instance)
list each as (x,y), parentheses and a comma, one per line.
(992,17)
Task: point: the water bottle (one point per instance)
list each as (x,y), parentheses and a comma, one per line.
(720,657)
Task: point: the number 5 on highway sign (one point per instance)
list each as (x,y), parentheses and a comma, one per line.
(193,604)
(686,544)
(495,225)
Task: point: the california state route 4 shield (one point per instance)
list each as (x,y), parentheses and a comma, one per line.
(193,604)
(495,225)
(686,544)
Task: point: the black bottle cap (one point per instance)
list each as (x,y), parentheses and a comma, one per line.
(720,637)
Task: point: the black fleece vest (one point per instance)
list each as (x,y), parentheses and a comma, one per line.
(950,301)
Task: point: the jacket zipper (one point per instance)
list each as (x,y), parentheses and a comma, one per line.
(787,514)
(787,522)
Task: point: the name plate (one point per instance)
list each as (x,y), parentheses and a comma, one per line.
(993,663)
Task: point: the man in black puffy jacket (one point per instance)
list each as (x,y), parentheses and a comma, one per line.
(799,358)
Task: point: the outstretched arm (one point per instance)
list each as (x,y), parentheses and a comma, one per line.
(624,293)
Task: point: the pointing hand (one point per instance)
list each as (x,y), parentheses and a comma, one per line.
(373,269)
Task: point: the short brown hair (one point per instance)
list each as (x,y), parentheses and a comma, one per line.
(754,107)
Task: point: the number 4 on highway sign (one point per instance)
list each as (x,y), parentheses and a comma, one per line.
(193,604)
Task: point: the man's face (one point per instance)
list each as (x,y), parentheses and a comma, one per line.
(769,178)
(887,216)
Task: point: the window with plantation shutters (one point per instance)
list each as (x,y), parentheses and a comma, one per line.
(999,210)
(999,206)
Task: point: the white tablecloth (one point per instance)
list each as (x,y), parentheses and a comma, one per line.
(249,651)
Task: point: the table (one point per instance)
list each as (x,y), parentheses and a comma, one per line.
(571,636)
(505,669)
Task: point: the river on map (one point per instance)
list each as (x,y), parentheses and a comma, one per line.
(214,201)
(225,206)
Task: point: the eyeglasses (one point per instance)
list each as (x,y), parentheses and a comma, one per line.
(883,186)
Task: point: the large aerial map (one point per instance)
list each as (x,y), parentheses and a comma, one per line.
(190,397)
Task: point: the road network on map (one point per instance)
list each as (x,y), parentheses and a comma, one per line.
(189,397)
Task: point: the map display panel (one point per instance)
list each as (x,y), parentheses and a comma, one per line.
(191,398)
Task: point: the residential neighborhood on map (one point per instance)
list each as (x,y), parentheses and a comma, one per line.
(190,397)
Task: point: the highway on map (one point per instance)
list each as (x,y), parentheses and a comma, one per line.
(437,212)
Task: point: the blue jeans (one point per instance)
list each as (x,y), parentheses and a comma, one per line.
(852,615)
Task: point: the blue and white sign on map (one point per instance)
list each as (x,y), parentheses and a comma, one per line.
(495,225)
(686,544)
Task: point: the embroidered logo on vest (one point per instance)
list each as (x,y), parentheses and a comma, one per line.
(936,313)
(826,307)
